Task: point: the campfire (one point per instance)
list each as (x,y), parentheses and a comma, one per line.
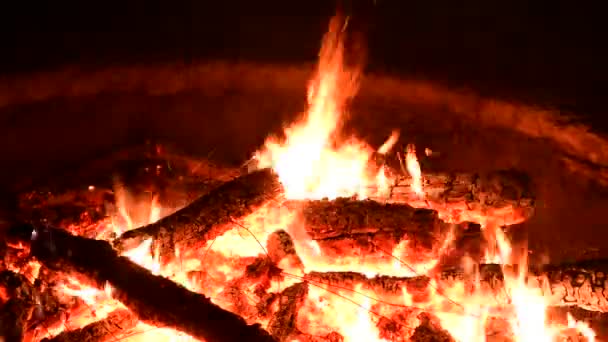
(318,237)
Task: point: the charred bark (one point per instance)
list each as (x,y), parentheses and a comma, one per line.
(18,300)
(207,217)
(282,326)
(118,323)
(504,197)
(371,229)
(154,299)
(583,285)
(345,217)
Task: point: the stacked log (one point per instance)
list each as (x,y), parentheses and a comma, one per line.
(154,299)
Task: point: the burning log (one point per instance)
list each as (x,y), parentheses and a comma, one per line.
(18,301)
(504,197)
(208,217)
(346,217)
(282,326)
(372,229)
(584,284)
(118,323)
(154,299)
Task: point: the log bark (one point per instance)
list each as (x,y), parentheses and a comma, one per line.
(583,284)
(346,227)
(345,217)
(502,197)
(17,298)
(117,324)
(154,299)
(207,217)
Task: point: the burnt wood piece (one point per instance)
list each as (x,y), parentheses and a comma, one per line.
(583,285)
(502,197)
(282,325)
(17,301)
(117,324)
(207,217)
(281,249)
(371,229)
(154,299)
(345,217)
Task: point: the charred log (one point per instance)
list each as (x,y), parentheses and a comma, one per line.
(346,217)
(584,285)
(17,298)
(118,323)
(282,326)
(371,229)
(504,197)
(207,217)
(159,302)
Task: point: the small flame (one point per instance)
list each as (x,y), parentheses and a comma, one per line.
(389,143)
(413,168)
(582,327)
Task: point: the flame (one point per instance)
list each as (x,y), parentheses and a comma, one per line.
(312,161)
(413,168)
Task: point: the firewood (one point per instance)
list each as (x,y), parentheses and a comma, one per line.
(581,284)
(208,217)
(429,330)
(118,323)
(17,301)
(345,217)
(503,197)
(282,326)
(154,299)
(371,230)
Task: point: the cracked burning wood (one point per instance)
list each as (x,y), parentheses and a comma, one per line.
(282,326)
(344,226)
(584,284)
(207,217)
(17,301)
(504,197)
(118,323)
(154,299)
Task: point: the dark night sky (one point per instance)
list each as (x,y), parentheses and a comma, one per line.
(545,52)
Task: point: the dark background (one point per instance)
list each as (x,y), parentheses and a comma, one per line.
(550,52)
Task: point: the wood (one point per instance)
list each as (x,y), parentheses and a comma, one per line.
(282,326)
(503,197)
(583,285)
(17,301)
(117,324)
(369,229)
(430,329)
(155,300)
(208,217)
(345,217)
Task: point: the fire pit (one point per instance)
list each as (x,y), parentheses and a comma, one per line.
(474,220)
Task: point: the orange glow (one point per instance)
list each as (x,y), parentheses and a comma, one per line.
(314,162)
